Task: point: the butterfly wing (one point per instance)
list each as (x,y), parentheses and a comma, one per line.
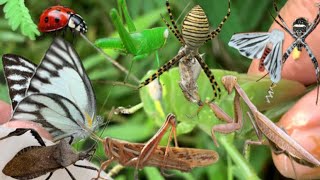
(250,45)
(273,61)
(57,114)
(61,72)
(17,72)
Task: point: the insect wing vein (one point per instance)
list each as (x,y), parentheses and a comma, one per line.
(273,62)
(56,113)
(61,72)
(250,45)
(18,72)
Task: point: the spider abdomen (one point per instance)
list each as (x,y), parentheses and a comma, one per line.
(195,28)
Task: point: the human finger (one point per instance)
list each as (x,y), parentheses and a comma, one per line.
(301,70)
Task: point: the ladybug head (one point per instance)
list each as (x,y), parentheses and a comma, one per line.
(77,23)
(300,26)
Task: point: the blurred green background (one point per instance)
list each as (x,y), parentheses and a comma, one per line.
(246,16)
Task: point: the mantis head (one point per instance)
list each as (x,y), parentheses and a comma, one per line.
(229,82)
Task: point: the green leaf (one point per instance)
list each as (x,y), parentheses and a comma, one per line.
(3,1)
(18,15)
(153,173)
(4,93)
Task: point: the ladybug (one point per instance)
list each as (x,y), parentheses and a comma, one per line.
(59,17)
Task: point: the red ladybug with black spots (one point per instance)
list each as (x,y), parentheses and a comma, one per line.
(59,17)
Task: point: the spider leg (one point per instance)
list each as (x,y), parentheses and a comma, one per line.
(312,26)
(176,31)
(282,26)
(281,19)
(288,52)
(172,30)
(215,32)
(215,87)
(163,69)
(316,67)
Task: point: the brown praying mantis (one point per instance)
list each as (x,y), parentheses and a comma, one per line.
(277,138)
(139,155)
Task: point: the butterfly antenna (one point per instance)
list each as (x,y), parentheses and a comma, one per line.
(107,98)
(98,138)
(116,83)
(107,57)
(108,120)
(126,78)
(262,77)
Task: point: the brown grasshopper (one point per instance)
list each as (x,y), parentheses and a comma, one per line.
(277,138)
(35,161)
(139,155)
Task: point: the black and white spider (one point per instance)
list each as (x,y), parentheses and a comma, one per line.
(301,29)
(267,46)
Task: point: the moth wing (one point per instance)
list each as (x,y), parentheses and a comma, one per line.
(273,61)
(250,45)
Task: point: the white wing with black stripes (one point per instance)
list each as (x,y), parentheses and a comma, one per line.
(17,72)
(61,72)
(252,45)
(273,61)
(57,114)
(59,95)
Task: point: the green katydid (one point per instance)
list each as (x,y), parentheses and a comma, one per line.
(139,44)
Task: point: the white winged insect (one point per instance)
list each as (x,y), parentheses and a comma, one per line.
(57,94)
(253,46)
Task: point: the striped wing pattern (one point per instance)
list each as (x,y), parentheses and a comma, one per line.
(252,45)
(57,94)
(61,72)
(18,72)
(57,114)
(273,61)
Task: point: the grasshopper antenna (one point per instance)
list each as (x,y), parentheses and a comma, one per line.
(107,57)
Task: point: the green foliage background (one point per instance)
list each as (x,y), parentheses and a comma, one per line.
(17,36)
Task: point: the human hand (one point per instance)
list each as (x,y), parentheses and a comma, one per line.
(301,122)
(5,115)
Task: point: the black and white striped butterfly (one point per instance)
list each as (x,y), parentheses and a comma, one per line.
(253,45)
(57,94)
